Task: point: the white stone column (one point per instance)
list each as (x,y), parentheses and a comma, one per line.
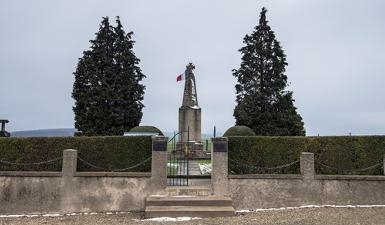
(68,191)
(307,165)
(383,164)
(159,162)
(70,157)
(219,162)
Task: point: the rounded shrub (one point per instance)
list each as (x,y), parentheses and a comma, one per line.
(146,129)
(237,131)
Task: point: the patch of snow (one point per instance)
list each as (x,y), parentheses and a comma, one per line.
(244,211)
(30,216)
(11,216)
(195,107)
(170,219)
(57,214)
(52,215)
(308,206)
(205,168)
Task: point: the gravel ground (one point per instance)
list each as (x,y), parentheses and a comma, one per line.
(312,216)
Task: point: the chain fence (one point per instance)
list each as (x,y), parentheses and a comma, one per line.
(245,168)
(30,164)
(46,165)
(325,168)
(293,167)
(33,164)
(114,170)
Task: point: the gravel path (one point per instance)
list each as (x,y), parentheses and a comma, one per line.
(315,216)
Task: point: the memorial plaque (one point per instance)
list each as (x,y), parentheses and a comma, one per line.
(159,146)
(220,147)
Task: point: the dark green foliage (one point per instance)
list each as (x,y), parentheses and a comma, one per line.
(263,104)
(343,153)
(106,152)
(239,131)
(146,129)
(107,89)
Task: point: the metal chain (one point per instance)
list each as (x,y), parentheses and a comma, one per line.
(266,168)
(351,170)
(30,164)
(114,170)
(90,164)
(134,166)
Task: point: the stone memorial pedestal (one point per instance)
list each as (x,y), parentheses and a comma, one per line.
(195,150)
(190,119)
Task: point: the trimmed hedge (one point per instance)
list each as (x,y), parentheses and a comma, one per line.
(345,153)
(239,131)
(111,153)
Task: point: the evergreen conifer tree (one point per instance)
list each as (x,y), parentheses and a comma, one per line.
(107,89)
(263,104)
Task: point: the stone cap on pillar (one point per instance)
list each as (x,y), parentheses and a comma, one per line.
(70,150)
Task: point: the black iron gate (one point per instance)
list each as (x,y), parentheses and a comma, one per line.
(178,161)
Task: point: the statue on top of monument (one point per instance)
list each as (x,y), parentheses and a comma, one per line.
(190,98)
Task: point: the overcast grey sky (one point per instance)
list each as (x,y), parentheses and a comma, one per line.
(335,50)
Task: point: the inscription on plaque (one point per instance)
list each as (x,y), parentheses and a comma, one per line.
(220,147)
(159,146)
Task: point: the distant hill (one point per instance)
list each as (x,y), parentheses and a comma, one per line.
(59,132)
(69,132)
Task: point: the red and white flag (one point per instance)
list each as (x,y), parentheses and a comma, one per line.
(180,77)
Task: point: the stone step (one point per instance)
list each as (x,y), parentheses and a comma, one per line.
(193,206)
(155,200)
(188,190)
(191,211)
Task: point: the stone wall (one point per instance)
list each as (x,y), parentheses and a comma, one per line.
(27,194)
(272,191)
(252,192)
(71,191)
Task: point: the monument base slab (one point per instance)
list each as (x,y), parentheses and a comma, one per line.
(195,149)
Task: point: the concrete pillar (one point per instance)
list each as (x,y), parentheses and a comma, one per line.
(159,162)
(68,190)
(307,165)
(70,158)
(383,164)
(219,162)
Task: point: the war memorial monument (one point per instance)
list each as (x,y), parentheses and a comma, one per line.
(190,117)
